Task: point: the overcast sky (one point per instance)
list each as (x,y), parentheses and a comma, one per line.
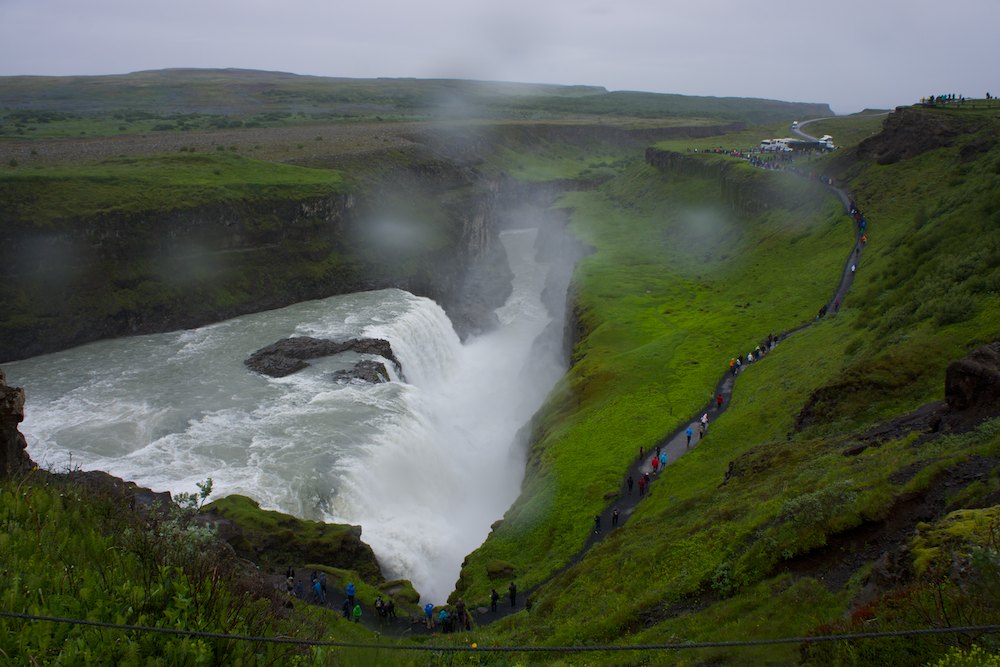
(851,53)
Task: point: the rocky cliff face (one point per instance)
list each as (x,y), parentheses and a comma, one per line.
(747,192)
(908,132)
(115,275)
(13,457)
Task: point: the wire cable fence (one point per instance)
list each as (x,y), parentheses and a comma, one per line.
(675,646)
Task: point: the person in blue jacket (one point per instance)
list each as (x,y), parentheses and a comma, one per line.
(429,615)
(689,433)
(444,620)
(350,593)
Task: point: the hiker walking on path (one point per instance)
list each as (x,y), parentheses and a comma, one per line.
(630,482)
(350,593)
(597,523)
(461,615)
(494,598)
(512,592)
(429,615)
(718,401)
(614,518)
(689,433)
(317,590)
(663,460)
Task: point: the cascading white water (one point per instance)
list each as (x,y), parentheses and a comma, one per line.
(425,465)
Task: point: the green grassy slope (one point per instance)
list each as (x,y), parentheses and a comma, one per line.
(707,559)
(72,552)
(678,285)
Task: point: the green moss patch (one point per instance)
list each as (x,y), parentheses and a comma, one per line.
(275,540)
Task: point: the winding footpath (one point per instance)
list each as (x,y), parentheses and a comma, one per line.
(675,444)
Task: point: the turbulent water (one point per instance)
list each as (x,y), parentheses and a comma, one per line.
(424,465)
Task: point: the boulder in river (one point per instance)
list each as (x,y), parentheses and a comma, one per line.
(367,370)
(289,355)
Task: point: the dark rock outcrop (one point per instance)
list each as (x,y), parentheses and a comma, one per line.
(908,132)
(972,394)
(274,540)
(13,457)
(366,370)
(748,192)
(145,502)
(288,355)
(972,388)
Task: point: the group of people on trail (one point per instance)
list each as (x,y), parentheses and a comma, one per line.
(947,98)
(385,609)
(459,618)
(318,584)
(456,620)
(597,521)
(737,363)
(351,607)
(318,595)
(771,160)
(859,220)
(862,233)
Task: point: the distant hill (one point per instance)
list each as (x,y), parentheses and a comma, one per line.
(238,92)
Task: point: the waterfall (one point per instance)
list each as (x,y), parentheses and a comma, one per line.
(424,463)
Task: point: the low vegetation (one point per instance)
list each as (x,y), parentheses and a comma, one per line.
(71,552)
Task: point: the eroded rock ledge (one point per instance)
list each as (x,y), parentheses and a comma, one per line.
(289,356)
(13,454)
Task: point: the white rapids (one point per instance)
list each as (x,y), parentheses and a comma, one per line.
(424,465)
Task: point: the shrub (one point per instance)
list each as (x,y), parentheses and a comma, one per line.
(818,506)
(957,308)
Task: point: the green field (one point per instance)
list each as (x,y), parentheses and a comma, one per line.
(41,196)
(190,100)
